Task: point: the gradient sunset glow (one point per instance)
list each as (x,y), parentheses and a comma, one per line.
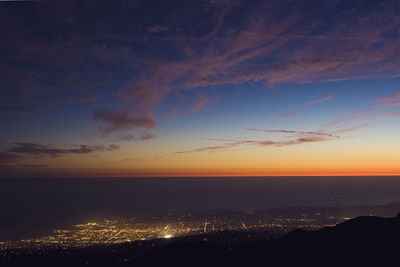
(199,88)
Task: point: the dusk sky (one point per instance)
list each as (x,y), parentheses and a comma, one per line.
(199,88)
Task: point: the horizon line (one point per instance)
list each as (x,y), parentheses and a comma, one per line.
(193,176)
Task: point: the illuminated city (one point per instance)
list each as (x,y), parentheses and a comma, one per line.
(119,230)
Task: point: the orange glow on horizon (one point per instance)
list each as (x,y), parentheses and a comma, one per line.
(148,173)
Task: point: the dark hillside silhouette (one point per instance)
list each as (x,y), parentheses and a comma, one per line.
(358,242)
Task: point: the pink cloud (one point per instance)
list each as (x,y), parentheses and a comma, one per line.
(389,101)
(296,141)
(202,101)
(395,96)
(350,129)
(393,115)
(147,136)
(158,29)
(293,132)
(392,100)
(285,115)
(144,136)
(392,104)
(316,101)
(116,120)
(174,112)
(303,138)
(127,137)
(359,117)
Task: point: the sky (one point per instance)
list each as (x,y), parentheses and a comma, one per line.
(199,88)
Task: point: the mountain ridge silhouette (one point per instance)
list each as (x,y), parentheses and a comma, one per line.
(362,241)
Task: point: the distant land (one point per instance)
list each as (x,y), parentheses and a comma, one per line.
(361,241)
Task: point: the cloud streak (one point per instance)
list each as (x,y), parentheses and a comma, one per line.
(392,97)
(351,129)
(374,112)
(117,120)
(321,100)
(293,132)
(304,137)
(202,101)
(39,150)
(10,157)
(296,141)
(288,114)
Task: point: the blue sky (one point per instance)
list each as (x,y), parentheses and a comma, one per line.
(155,80)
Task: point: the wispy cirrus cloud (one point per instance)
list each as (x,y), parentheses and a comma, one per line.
(142,137)
(379,111)
(361,116)
(288,114)
(208,148)
(295,141)
(293,132)
(351,129)
(391,115)
(157,29)
(391,97)
(174,112)
(10,157)
(296,138)
(312,102)
(117,120)
(321,100)
(389,101)
(147,136)
(202,101)
(39,150)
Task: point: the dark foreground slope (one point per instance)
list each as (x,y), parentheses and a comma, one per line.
(363,241)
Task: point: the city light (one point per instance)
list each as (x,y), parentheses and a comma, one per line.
(122,230)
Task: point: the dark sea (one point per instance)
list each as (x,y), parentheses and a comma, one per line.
(32,207)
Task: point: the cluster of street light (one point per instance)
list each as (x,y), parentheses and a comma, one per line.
(120,230)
